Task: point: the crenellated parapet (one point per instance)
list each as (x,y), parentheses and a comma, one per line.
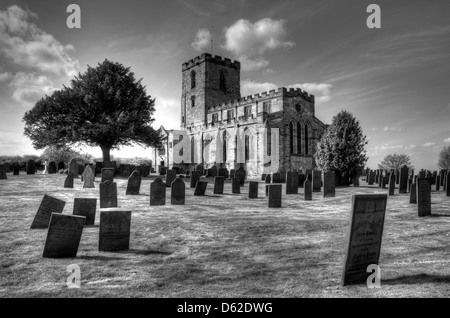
(215,59)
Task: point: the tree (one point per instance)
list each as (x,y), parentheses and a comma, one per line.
(395,161)
(64,154)
(103,107)
(444,158)
(341,148)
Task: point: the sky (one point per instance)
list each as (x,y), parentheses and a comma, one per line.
(394,79)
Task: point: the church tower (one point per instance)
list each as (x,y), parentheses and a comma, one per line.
(207,81)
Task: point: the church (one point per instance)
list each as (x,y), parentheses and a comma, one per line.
(276,129)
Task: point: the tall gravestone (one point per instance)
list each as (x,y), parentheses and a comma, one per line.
(178,192)
(88,178)
(413,193)
(291,182)
(263,176)
(114,234)
(73,167)
(308,190)
(275,191)
(63,236)
(200,188)
(107,174)
(317,180)
(171,174)
(48,206)
(134,183)
(31,167)
(391,184)
(364,237)
(253,189)
(371,177)
(301,180)
(108,194)
(235,185)
(218,185)
(68,183)
(438,183)
(157,192)
(423,196)
(16,169)
(52,167)
(240,174)
(329,184)
(2,173)
(98,167)
(86,207)
(195,176)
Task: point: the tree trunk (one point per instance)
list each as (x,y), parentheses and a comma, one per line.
(105,151)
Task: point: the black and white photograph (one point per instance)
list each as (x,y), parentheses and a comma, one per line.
(224,155)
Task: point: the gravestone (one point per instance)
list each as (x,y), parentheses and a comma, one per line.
(178,192)
(31,167)
(364,237)
(223,172)
(422,174)
(61,166)
(282,176)
(438,183)
(73,167)
(329,184)
(413,193)
(63,236)
(107,174)
(68,183)
(267,181)
(108,194)
(52,167)
(232,172)
(253,190)
(2,173)
(240,174)
(125,170)
(447,184)
(171,174)
(308,175)
(423,196)
(200,168)
(410,181)
(371,177)
(88,178)
(317,180)
(111,165)
(114,234)
(263,176)
(308,190)
(275,195)
(235,185)
(291,182)
(86,207)
(157,192)
(16,169)
(195,176)
(134,183)
(385,181)
(7,167)
(218,185)
(397,176)
(200,188)
(391,184)
(301,180)
(98,167)
(276,177)
(214,171)
(356,180)
(48,206)
(433,180)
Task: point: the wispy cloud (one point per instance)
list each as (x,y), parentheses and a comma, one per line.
(250,88)
(447,139)
(429,144)
(389,129)
(202,40)
(321,91)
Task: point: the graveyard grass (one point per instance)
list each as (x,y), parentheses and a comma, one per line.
(222,245)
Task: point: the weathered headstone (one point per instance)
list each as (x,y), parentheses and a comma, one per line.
(317,180)
(85,207)
(308,190)
(88,178)
(391,184)
(218,185)
(413,193)
(111,165)
(63,236)
(301,180)
(171,174)
(7,167)
(61,166)
(292,182)
(275,195)
(433,180)
(195,176)
(276,177)
(134,183)
(423,196)
(240,174)
(31,167)
(253,189)
(200,168)
(200,188)
(223,172)
(108,194)
(355,180)
(52,167)
(2,173)
(48,206)
(114,234)
(329,184)
(371,177)
(16,169)
(68,183)
(178,192)
(438,183)
(214,171)
(157,192)
(235,185)
(364,237)
(73,167)
(98,167)
(107,174)
(447,184)
(397,176)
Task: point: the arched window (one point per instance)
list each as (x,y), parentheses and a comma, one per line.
(224,146)
(192,149)
(299,138)
(247,148)
(291,138)
(297,107)
(223,83)
(193,79)
(306,139)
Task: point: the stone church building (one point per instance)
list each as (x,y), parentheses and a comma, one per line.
(214,115)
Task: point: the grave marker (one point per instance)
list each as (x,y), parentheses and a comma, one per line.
(157,192)
(391,184)
(86,207)
(195,176)
(218,185)
(171,174)
(107,174)
(114,234)
(63,236)
(235,185)
(200,188)
(413,193)
(178,192)
(423,196)
(447,184)
(88,178)
(52,167)
(275,195)
(48,206)
(317,180)
(2,173)
(68,183)
(108,194)
(253,190)
(301,180)
(134,183)
(329,184)
(61,166)
(291,182)
(240,174)
(31,167)
(308,190)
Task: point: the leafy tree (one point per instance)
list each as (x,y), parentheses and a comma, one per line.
(103,107)
(444,158)
(341,148)
(395,161)
(64,154)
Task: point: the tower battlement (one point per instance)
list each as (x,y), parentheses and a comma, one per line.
(216,59)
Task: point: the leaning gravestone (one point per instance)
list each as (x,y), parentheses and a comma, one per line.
(63,236)
(423,196)
(308,190)
(178,192)
(68,183)
(218,185)
(157,192)
(48,206)
(391,184)
(73,167)
(253,190)
(364,237)
(275,195)
(52,167)
(108,194)
(85,207)
(171,174)
(200,188)
(114,234)
(2,173)
(403,179)
(107,174)
(413,193)
(329,184)
(240,174)
(31,167)
(317,180)
(88,178)
(235,185)
(292,182)
(195,176)
(134,183)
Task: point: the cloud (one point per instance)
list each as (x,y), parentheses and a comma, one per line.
(412,146)
(251,88)
(167,113)
(321,91)
(30,87)
(429,144)
(447,140)
(249,41)
(389,129)
(4,76)
(202,39)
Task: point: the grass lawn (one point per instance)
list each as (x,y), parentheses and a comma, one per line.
(222,245)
